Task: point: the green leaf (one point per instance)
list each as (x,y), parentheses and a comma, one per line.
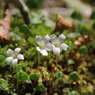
(93,15)
(17,68)
(74,93)
(66,90)
(34,76)
(76,15)
(21,76)
(93,25)
(65,81)
(25,30)
(34,4)
(2,58)
(83,50)
(3,83)
(70,61)
(47,22)
(71,45)
(37,15)
(54,17)
(74,76)
(15,36)
(83,29)
(40,87)
(36,20)
(59,74)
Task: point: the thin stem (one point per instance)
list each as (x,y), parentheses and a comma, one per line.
(17,87)
(17,84)
(11,68)
(57,60)
(33,92)
(38,59)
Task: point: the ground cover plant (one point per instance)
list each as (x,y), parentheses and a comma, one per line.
(42,59)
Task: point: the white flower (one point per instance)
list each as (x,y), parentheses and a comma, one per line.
(58,43)
(14,56)
(44,45)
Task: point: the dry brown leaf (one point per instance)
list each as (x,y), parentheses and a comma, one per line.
(90,87)
(62,24)
(83,40)
(5,26)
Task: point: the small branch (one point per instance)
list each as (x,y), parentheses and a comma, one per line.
(23,9)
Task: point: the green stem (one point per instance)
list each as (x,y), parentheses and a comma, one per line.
(17,84)
(17,87)
(38,59)
(33,92)
(56,60)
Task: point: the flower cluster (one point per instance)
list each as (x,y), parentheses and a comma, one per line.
(52,43)
(49,43)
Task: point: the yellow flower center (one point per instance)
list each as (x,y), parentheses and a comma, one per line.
(56,44)
(42,46)
(15,56)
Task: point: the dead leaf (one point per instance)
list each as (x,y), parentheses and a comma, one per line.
(5,26)
(62,24)
(90,87)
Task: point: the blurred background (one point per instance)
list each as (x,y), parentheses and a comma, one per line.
(63,7)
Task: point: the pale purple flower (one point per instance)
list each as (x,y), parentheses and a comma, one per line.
(14,56)
(44,45)
(58,43)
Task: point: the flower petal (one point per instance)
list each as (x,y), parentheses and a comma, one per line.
(17,50)
(49,47)
(38,39)
(46,39)
(20,56)
(10,52)
(14,62)
(53,37)
(38,49)
(64,46)
(61,38)
(56,51)
(42,51)
(9,59)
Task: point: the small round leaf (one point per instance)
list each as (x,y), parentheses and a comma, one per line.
(71,45)
(21,76)
(83,29)
(93,15)
(83,50)
(93,25)
(34,76)
(40,87)
(3,83)
(17,68)
(25,30)
(2,58)
(76,15)
(70,61)
(74,76)
(59,74)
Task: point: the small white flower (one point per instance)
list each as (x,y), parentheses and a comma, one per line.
(58,43)
(44,45)
(14,56)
